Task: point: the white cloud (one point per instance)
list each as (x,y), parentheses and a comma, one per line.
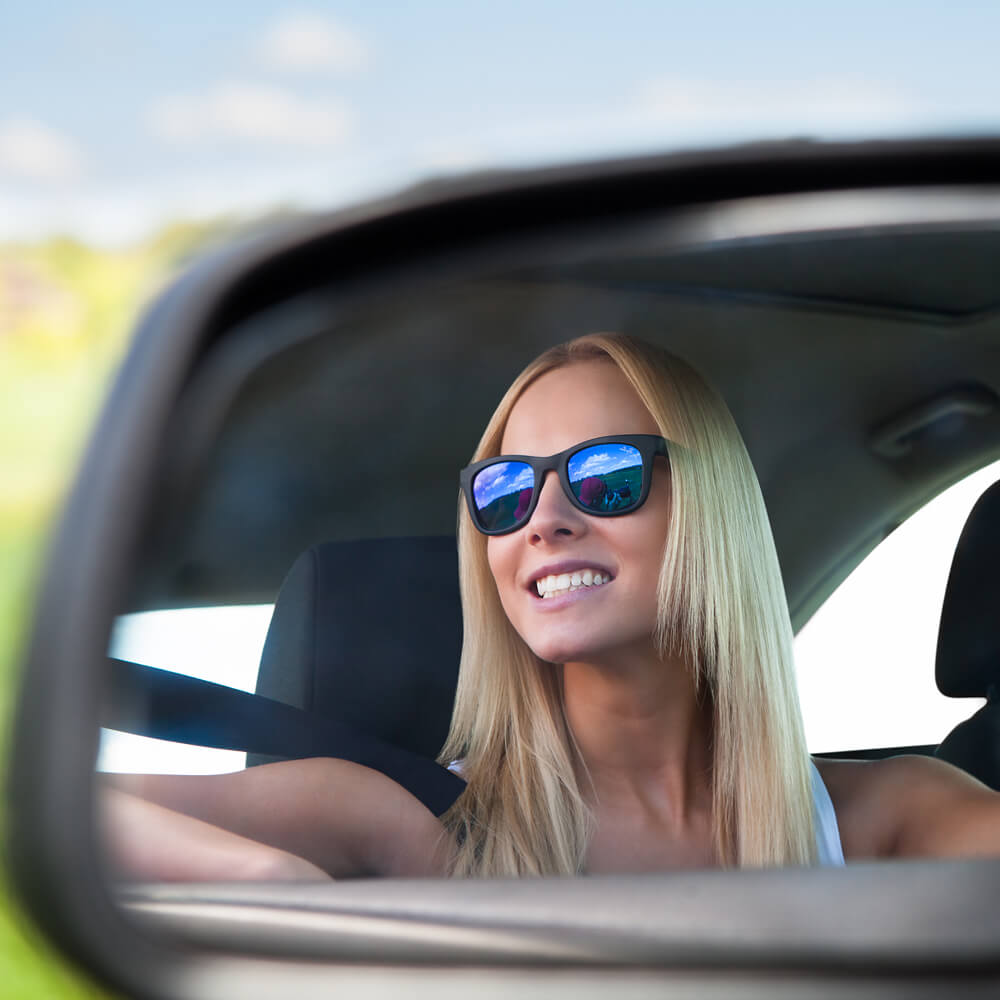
(808,105)
(309,43)
(250,113)
(33,151)
(117,212)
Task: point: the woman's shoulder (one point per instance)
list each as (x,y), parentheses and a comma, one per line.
(910,806)
(854,782)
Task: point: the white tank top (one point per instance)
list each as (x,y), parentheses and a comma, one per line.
(828,849)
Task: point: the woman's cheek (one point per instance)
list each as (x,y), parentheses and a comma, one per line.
(501,561)
(504,560)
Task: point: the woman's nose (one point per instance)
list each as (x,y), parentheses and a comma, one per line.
(554,516)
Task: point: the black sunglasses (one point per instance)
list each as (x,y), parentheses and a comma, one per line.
(605,476)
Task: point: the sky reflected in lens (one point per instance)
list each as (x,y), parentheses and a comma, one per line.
(500,480)
(599,460)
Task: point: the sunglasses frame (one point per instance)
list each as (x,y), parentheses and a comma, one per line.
(648,446)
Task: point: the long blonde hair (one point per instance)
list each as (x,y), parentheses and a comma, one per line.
(721,608)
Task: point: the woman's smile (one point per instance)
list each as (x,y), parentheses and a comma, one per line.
(557,580)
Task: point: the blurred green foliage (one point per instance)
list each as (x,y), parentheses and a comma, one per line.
(65,315)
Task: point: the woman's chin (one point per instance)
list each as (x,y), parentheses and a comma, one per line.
(569,650)
(599,649)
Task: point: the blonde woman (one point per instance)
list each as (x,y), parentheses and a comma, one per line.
(626,698)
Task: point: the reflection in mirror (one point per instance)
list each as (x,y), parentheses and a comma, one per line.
(627,698)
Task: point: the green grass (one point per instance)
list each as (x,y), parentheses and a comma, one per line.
(65,311)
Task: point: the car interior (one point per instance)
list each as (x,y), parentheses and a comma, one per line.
(289,428)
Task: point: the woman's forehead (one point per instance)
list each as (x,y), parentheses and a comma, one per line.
(585,399)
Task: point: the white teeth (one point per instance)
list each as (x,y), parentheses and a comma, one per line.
(566,583)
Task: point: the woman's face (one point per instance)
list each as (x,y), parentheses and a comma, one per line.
(602,622)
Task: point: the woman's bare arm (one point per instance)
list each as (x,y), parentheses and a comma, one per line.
(912,806)
(345,819)
(945,811)
(143,840)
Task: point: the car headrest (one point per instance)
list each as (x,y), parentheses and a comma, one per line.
(370,633)
(968,649)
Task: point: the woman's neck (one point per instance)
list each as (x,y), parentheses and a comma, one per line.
(643,734)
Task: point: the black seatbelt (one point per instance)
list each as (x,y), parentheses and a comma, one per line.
(165,705)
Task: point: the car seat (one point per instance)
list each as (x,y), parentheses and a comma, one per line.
(360,662)
(369,633)
(968,649)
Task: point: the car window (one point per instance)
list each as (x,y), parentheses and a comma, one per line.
(865,660)
(220,644)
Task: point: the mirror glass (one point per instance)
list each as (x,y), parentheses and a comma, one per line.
(341,419)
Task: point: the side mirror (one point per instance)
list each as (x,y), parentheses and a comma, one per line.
(253,418)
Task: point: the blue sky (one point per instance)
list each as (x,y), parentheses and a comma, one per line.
(117,116)
(608,459)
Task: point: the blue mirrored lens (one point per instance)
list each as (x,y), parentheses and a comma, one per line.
(502,493)
(606,478)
